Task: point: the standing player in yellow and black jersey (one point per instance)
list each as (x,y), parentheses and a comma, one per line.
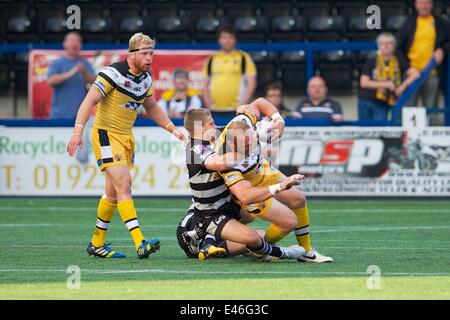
(119,91)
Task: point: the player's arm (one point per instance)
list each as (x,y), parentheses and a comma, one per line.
(268,109)
(248,194)
(216,162)
(92,98)
(157,114)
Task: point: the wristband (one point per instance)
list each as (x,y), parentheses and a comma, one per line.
(79,125)
(274,189)
(167,126)
(277,116)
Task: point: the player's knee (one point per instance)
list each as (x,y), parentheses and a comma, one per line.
(110,198)
(251,238)
(297,202)
(288,224)
(123,186)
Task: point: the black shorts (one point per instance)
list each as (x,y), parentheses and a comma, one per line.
(213,224)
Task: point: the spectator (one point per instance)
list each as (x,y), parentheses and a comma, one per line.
(423,36)
(317,104)
(69,75)
(230,76)
(274,94)
(180,99)
(382,80)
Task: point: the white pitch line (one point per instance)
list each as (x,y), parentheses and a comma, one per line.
(347,229)
(176,246)
(250,272)
(173,209)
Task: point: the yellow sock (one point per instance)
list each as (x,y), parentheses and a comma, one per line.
(129,217)
(274,234)
(105,212)
(302,228)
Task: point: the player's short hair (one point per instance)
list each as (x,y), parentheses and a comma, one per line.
(194,116)
(140,39)
(235,129)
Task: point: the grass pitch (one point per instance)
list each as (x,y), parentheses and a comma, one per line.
(408,240)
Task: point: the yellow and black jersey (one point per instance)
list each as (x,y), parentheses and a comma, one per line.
(227,73)
(123,94)
(254,168)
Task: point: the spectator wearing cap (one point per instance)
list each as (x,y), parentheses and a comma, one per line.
(317,104)
(177,101)
(229,76)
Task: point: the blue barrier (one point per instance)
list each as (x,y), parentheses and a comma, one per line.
(220,121)
(309,47)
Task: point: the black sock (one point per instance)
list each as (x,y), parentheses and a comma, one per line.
(267,249)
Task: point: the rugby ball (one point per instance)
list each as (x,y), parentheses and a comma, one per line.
(264,129)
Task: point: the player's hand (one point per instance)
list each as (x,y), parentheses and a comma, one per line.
(291,181)
(277,129)
(180,136)
(75,142)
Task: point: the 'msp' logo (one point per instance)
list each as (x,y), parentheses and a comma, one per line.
(354,153)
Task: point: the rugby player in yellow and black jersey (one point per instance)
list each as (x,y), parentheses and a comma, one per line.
(119,91)
(287,209)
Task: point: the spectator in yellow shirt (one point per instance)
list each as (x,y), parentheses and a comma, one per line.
(230,76)
(422,37)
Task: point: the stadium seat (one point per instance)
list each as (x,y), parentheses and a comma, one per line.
(20,29)
(287,28)
(53,29)
(97,29)
(173,29)
(161,8)
(4,74)
(310,8)
(348,8)
(394,23)
(357,29)
(265,64)
(130,25)
(326,28)
(197,9)
(206,28)
(250,28)
(20,72)
(392,7)
(233,9)
(274,8)
(292,68)
(337,69)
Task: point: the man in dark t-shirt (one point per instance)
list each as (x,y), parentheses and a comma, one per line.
(383,79)
(317,104)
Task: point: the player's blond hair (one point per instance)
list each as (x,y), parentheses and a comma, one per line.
(235,129)
(193,117)
(139,39)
